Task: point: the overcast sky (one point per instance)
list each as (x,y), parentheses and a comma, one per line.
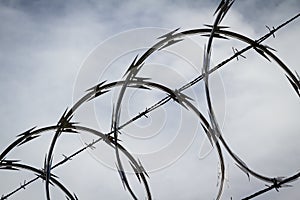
(51,51)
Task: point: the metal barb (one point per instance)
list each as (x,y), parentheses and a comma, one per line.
(272,31)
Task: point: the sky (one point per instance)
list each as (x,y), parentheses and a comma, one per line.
(52,51)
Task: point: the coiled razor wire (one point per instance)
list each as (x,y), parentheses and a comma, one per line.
(132,80)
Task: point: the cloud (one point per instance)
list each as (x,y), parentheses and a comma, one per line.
(45,44)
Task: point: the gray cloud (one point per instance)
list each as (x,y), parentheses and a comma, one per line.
(43,45)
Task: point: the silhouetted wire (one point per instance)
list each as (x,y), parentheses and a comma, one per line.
(131,80)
